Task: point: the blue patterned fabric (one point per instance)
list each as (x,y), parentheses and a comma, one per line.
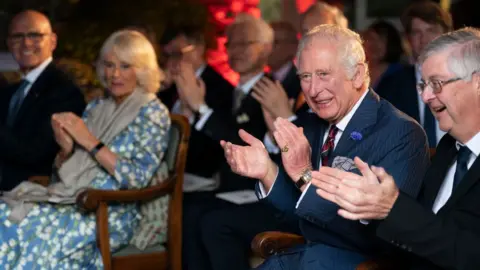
(59,236)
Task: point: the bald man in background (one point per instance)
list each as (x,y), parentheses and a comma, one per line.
(27,144)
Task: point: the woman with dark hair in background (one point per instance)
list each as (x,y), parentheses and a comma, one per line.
(384,50)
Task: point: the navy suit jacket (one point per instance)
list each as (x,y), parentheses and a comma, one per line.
(28,148)
(400,89)
(390,139)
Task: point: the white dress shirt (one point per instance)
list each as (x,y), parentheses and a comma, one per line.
(342,125)
(281,73)
(246,88)
(33,74)
(446,189)
(421,107)
(177,107)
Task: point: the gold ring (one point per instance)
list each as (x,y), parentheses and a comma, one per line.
(284,149)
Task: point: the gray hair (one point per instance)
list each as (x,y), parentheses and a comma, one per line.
(464,59)
(319,7)
(350,46)
(263,30)
(133,47)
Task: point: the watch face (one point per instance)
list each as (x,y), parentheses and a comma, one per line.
(307,176)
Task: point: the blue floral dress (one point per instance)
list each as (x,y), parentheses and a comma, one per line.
(59,236)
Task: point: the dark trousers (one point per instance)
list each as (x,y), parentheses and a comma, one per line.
(218,234)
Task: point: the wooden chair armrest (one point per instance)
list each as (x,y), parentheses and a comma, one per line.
(40,179)
(90,199)
(268,243)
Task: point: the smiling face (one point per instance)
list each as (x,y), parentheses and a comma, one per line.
(119,76)
(457,105)
(31,40)
(245,51)
(324,81)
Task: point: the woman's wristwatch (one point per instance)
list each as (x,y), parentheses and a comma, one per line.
(97,148)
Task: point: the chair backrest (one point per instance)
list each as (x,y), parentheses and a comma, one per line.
(176,158)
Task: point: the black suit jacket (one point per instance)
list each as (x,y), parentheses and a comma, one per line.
(400,89)
(451,238)
(205,154)
(28,147)
(225,126)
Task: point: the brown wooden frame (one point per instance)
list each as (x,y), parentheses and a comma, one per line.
(266,244)
(98,200)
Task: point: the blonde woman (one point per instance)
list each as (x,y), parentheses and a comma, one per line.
(117,144)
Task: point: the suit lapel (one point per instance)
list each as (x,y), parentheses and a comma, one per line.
(443,159)
(40,85)
(363,118)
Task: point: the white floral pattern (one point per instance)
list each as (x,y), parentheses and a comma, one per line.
(59,236)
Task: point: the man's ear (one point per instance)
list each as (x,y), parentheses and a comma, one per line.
(360,74)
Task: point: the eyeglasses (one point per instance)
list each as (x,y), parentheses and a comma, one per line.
(436,85)
(33,36)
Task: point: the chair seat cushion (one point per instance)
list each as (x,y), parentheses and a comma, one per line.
(133,250)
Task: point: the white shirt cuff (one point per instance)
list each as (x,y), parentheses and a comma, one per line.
(271,147)
(292,118)
(303,194)
(264,194)
(177,110)
(364,222)
(203,119)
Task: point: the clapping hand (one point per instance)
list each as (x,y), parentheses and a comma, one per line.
(76,129)
(367,196)
(191,89)
(250,161)
(63,139)
(273,98)
(295,149)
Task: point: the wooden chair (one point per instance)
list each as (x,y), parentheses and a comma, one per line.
(157,257)
(266,244)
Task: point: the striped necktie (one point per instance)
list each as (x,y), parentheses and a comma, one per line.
(329,145)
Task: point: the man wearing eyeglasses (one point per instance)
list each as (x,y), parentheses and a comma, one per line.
(441,229)
(27,144)
(423,22)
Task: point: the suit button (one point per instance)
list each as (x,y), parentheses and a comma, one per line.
(403,246)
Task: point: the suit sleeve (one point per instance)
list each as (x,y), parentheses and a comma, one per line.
(406,160)
(438,239)
(40,146)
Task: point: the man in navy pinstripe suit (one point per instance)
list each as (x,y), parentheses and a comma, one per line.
(348,120)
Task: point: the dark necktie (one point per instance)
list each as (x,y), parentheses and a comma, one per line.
(16,102)
(429,126)
(462,165)
(327,147)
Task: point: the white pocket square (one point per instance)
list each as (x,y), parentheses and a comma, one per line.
(243,118)
(343,163)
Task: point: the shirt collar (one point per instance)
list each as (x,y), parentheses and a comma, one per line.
(200,70)
(281,73)
(247,86)
(473,144)
(33,74)
(342,125)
